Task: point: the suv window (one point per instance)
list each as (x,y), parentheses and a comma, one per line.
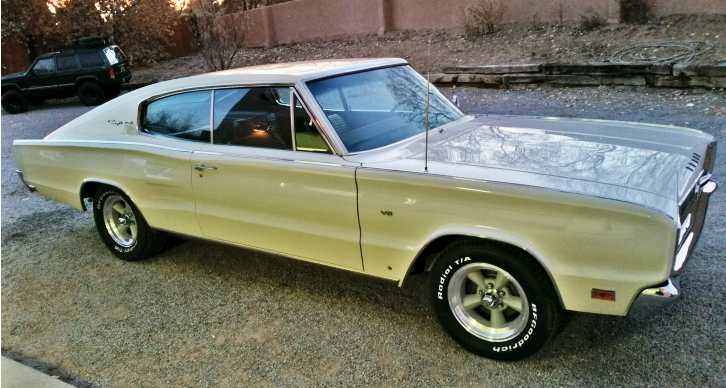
(46,65)
(252,117)
(91,59)
(183,116)
(68,62)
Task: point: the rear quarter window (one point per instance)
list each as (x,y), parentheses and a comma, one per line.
(91,59)
(183,116)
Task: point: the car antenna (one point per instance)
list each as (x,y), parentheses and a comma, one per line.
(428,86)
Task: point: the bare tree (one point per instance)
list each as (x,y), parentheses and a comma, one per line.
(221,36)
(559,13)
(483,16)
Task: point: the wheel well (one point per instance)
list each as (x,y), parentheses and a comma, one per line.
(82,81)
(88,190)
(7,88)
(428,256)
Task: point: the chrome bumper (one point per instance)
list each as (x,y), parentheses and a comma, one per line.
(653,299)
(690,228)
(20,175)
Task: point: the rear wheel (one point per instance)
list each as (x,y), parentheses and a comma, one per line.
(14,102)
(91,94)
(494,300)
(122,227)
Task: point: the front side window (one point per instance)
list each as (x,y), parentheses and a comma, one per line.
(183,116)
(375,108)
(46,65)
(252,117)
(68,62)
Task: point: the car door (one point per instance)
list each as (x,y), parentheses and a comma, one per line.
(44,81)
(253,185)
(67,69)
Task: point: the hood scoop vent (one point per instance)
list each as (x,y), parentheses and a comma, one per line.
(695,159)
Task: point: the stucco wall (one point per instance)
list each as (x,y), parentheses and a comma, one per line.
(303,20)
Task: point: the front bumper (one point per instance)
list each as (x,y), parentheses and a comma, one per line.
(652,299)
(30,187)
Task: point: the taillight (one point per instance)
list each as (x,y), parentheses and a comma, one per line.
(110,71)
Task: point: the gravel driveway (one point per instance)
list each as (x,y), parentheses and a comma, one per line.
(203,315)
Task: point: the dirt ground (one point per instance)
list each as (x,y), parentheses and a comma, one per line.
(515,43)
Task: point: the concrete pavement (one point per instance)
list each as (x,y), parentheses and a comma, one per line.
(17,375)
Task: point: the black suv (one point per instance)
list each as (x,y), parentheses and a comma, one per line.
(92,68)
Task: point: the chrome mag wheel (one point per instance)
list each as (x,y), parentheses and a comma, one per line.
(488,302)
(120,221)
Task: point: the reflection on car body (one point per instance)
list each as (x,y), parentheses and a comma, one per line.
(516,218)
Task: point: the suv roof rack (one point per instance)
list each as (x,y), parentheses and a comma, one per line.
(87,42)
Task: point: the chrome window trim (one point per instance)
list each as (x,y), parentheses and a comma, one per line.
(321,120)
(141,107)
(302,84)
(292,117)
(317,122)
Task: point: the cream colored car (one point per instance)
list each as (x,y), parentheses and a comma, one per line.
(516,219)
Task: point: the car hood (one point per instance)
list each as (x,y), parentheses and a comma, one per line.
(648,164)
(12,76)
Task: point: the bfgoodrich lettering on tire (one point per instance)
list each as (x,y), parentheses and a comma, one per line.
(122,227)
(494,300)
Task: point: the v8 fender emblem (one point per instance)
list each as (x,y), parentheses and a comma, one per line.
(386,212)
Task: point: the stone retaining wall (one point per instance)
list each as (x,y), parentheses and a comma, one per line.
(586,74)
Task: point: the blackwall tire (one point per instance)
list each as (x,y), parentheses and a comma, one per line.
(122,227)
(91,94)
(14,102)
(494,300)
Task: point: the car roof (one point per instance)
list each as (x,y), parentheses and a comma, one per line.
(294,71)
(272,74)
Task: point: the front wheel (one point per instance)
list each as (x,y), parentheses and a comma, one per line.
(122,227)
(14,102)
(494,300)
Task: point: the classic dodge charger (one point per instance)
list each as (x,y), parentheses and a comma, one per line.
(361,165)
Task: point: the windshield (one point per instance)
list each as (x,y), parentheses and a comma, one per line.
(376,108)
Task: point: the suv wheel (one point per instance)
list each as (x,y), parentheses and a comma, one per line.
(494,300)
(91,94)
(14,102)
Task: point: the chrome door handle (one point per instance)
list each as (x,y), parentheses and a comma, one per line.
(202,168)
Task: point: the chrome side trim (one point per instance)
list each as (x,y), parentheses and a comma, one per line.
(80,143)
(655,298)
(429,174)
(261,250)
(270,158)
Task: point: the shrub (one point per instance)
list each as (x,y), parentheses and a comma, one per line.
(483,16)
(636,11)
(592,21)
